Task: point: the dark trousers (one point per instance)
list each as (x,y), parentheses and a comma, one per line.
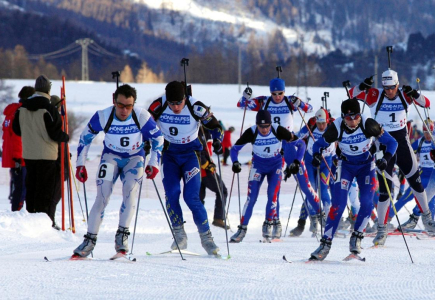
(226,154)
(18,176)
(209,182)
(40,185)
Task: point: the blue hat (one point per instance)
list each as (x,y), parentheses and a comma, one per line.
(277,84)
(263,117)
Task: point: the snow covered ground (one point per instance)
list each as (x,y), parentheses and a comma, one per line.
(255,270)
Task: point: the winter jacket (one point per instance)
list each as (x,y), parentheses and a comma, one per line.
(12,147)
(40,127)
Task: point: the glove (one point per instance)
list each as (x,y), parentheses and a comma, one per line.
(296,102)
(151,172)
(432,155)
(211,167)
(237,167)
(17,162)
(217,146)
(294,167)
(366,84)
(317,159)
(383,162)
(247,93)
(410,92)
(81,174)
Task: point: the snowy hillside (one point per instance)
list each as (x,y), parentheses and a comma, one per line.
(254,271)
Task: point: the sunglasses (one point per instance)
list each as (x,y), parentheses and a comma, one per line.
(350,117)
(122,105)
(278,94)
(391,87)
(264,126)
(175,102)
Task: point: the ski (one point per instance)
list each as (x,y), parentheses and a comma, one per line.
(123,254)
(190,253)
(175,252)
(268,240)
(354,256)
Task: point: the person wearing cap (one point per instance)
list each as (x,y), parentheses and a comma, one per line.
(425,150)
(267,162)
(40,127)
(12,156)
(389,107)
(179,117)
(356,135)
(127,128)
(321,122)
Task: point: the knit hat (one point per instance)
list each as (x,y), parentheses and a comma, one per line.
(263,117)
(42,84)
(277,84)
(174,91)
(390,78)
(350,106)
(55,101)
(322,116)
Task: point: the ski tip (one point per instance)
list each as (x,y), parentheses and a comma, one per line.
(46,259)
(147,253)
(286,260)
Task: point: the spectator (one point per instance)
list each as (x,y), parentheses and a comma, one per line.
(226,144)
(13,152)
(40,127)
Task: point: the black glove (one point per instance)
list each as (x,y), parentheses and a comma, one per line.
(317,160)
(366,84)
(294,167)
(247,93)
(237,167)
(217,146)
(383,162)
(410,92)
(432,155)
(147,147)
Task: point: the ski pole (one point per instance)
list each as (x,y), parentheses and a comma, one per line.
(279,70)
(291,208)
(167,219)
(320,200)
(86,201)
(78,194)
(232,181)
(238,192)
(304,201)
(223,200)
(395,213)
(137,212)
(326,94)
(426,123)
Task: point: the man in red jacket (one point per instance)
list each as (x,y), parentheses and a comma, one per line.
(226,144)
(13,152)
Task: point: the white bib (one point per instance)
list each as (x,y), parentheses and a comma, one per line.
(317,135)
(424,155)
(266,146)
(391,114)
(178,129)
(123,137)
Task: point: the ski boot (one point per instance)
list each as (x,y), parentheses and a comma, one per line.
(180,237)
(121,239)
(428,223)
(322,251)
(276,229)
(355,242)
(239,235)
(208,243)
(267,229)
(297,231)
(220,223)
(411,223)
(87,246)
(381,236)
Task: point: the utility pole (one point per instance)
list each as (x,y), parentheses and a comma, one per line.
(84,43)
